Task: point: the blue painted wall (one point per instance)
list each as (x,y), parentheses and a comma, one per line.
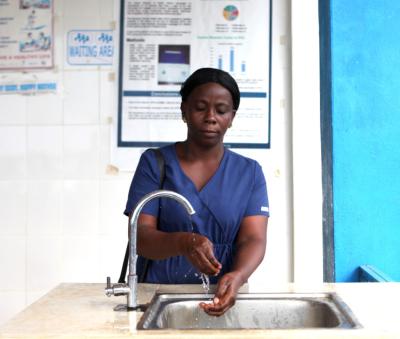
(365,47)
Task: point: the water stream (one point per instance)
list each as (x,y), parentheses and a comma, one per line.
(205,282)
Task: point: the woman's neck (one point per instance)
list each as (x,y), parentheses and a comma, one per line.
(190,151)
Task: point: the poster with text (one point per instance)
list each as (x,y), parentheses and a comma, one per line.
(163,42)
(26,35)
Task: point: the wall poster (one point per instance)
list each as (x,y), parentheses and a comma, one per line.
(163,42)
(26,36)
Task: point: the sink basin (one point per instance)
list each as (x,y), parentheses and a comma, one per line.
(251,311)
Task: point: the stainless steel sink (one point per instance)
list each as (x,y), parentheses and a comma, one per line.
(251,311)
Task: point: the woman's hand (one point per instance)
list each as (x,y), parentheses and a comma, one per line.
(250,249)
(225,295)
(199,250)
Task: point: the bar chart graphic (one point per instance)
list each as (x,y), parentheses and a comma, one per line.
(229,60)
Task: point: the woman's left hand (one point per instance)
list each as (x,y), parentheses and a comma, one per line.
(225,294)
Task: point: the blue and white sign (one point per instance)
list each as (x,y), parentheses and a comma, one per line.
(90,47)
(28,87)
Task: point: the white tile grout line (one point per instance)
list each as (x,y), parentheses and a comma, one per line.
(26,202)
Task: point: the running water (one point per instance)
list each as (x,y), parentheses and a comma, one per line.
(205,282)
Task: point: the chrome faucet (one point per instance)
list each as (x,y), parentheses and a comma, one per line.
(130,289)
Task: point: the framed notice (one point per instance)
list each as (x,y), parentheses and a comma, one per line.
(26,36)
(163,42)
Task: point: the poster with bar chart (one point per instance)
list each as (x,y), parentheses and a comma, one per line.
(163,42)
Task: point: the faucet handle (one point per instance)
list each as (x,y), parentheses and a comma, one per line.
(109,290)
(116,289)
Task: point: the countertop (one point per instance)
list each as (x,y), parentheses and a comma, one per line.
(82,310)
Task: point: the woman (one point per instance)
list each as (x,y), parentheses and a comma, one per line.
(226,237)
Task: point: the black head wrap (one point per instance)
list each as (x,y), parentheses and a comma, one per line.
(205,75)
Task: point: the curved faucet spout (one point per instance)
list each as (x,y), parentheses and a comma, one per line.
(132,277)
(135,216)
(161,194)
(130,289)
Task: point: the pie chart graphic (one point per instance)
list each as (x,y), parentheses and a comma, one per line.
(231,12)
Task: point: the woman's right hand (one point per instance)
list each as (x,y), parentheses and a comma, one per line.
(199,250)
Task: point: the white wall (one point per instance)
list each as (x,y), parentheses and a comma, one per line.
(61,209)
(306,141)
(276,162)
(61,204)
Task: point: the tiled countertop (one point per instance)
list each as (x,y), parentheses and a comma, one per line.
(83,310)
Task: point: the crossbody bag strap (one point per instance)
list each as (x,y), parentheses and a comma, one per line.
(161,165)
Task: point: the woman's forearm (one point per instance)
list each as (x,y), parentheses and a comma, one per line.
(158,245)
(197,249)
(249,255)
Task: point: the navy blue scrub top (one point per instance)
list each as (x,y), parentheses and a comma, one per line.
(236,190)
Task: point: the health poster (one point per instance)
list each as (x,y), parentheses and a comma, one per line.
(163,42)
(26,35)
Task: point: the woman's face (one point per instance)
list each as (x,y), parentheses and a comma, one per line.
(208,112)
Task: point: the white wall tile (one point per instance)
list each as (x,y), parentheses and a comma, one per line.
(58,7)
(13,109)
(107,9)
(105,150)
(12,263)
(45,109)
(108,96)
(111,257)
(43,261)
(44,207)
(81,151)
(78,8)
(12,152)
(59,38)
(81,97)
(13,207)
(12,302)
(45,152)
(81,259)
(80,207)
(113,195)
(54,149)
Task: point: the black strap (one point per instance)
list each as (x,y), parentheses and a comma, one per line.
(122,276)
(146,263)
(160,163)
